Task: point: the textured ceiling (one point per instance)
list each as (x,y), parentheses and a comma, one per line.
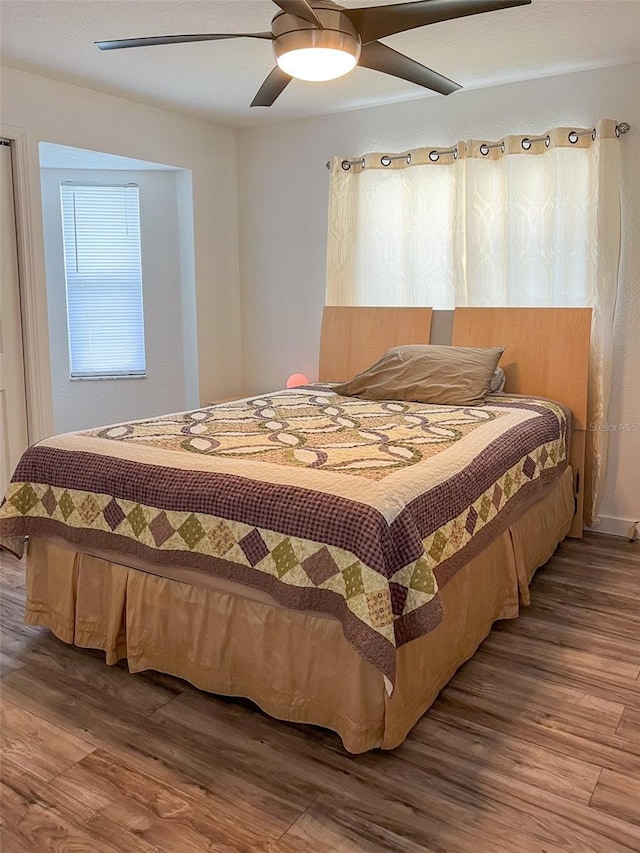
(217,81)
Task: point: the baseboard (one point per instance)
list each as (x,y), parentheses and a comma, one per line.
(614,526)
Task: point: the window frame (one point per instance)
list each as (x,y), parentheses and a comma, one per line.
(103,374)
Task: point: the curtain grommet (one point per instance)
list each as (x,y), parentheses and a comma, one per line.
(484,149)
(387,159)
(547,140)
(455,153)
(526,143)
(434,156)
(573,137)
(346,165)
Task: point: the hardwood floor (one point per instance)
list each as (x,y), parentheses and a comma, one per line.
(533,747)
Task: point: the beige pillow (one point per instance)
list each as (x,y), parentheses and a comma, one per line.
(449,376)
(498,381)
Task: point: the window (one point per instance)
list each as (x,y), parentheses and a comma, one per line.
(101,233)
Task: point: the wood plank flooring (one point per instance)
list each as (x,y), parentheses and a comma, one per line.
(533,747)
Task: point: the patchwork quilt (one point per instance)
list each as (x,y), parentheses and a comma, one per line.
(349,507)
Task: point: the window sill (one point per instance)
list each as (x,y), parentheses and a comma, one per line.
(106,377)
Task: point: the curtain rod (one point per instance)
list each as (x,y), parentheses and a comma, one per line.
(573,136)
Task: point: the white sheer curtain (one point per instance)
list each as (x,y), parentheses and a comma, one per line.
(392,238)
(512,223)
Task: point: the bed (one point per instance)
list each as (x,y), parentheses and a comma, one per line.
(333,559)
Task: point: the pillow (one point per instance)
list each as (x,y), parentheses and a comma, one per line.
(449,376)
(497,381)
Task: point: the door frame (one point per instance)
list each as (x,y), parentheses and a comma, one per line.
(35,338)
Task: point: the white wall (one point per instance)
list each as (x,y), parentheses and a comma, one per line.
(52,111)
(168,385)
(283,188)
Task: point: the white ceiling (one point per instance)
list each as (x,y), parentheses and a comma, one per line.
(217,81)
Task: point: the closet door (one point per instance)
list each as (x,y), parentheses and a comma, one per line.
(13,407)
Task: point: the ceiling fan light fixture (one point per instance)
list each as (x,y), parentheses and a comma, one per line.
(317,63)
(317,55)
(322,40)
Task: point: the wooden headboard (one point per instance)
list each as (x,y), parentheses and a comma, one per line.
(547,350)
(353,338)
(546,355)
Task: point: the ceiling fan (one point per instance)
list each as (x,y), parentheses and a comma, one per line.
(320,40)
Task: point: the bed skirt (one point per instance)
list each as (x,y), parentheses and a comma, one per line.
(296,666)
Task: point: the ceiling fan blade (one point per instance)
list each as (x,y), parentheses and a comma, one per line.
(379,57)
(374,22)
(146,42)
(301,9)
(272,88)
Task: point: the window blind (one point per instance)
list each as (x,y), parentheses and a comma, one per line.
(101,233)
